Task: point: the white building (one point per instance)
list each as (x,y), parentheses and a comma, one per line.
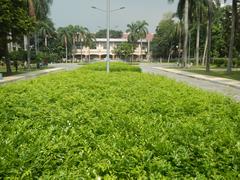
(100,51)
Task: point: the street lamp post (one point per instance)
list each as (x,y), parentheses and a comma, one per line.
(108,13)
(108,36)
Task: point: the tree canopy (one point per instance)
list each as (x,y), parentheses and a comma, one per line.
(14,22)
(113,33)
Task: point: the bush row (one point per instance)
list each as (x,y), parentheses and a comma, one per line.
(41,56)
(114,67)
(88,124)
(222,62)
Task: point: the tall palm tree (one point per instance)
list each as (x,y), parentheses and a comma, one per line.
(89,41)
(233,29)
(46,29)
(185,4)
(198,10)
(79,35)
(42,8)
(133,35)
(212,4)
(38,10)
(64,35)
(31,11)
(209,34)
(142,31)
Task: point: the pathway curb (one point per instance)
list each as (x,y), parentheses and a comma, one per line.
(222,81)
(28,75)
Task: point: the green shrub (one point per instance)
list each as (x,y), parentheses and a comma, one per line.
(220,62)
(114,67)
(237,62)
(223,62)
(88,124)
(18,55)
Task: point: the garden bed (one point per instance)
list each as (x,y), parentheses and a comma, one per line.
(126,124)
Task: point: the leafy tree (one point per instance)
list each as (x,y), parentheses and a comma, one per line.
(124,50)
(113,34)
(165,39)
(14,22)
(220,37)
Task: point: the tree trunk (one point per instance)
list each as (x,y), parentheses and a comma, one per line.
(230,54)
(185,48)
(46,41)
(7,60)
(209,35)
(148,51)
(8,66)
(66,47)
(141,56)
(74,49)
(36,42)
(198,40)
(133,49)
(66,53)
(89,58)
(189,48)
(180,43)
(25,42)
(31,9)
(205,48)
(170,53)
(28,52)
(81,49)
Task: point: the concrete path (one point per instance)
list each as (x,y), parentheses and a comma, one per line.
(65,66)
(224,86)
(34,74)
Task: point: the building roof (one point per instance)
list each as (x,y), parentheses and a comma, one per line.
(111,40)
(117,40)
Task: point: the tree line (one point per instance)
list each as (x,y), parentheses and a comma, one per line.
(27,23)
(201,31)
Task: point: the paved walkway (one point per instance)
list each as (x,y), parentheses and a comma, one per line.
(34,74)
(224,86)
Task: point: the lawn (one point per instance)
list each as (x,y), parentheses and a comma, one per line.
(218,73)
(21,70)
(215,71)
(87,124)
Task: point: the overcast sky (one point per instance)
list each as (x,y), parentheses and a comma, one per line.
(79,12)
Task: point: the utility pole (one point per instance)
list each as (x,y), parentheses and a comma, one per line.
(108,36)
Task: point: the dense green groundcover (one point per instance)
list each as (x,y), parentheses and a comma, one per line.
(87,124)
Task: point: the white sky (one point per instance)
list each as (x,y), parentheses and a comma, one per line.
(79,12)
